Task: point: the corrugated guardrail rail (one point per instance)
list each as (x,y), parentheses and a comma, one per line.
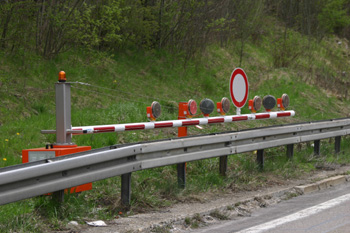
(36,178)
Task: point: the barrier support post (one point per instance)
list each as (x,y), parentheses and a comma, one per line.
(317,147)
(182,132)
(181,175)
(63,111)
(290,151)
(260,158)
(223,165)
(63,119)
(58,196)
(126,189)
(337,144)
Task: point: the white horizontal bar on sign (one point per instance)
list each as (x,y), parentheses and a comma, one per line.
(182,123)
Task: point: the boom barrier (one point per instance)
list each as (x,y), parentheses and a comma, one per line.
(175,123)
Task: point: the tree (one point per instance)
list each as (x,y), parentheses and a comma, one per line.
(333,17)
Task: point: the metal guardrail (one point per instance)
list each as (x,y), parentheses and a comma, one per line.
(32,179)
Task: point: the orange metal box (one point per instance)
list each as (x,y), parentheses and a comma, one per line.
(30,155)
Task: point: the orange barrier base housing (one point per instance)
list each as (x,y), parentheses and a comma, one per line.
(30,155)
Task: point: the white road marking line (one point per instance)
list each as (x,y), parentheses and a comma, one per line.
(296,216)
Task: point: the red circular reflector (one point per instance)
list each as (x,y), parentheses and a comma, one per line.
(225,105)
(156,109)
(257,103)
(192,107)
(285,100)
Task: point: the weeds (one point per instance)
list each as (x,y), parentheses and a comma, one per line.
(194,222)
(290,195)
(219,215)
(161,229)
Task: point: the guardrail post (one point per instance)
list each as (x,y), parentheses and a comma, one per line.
(317,147)
(181,175)
(223,165)
(126,189)
(58,196)
(337,144)
(290,151)
(260,158)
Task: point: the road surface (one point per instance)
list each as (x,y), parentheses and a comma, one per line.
(321,212)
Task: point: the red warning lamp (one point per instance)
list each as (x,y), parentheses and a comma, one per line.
(154,111)
(283,102)
(62,77)
(192,108)
(269,102)
(187,109)
(224,106)
(255,104)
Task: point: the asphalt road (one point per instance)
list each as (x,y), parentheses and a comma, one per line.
(321,212)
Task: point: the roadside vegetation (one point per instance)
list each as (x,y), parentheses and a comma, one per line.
(165,51)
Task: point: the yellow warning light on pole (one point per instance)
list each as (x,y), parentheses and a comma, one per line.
(62,77)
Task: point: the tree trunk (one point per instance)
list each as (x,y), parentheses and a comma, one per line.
(6,24)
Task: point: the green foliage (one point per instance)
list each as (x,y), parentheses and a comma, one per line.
(51,27)
(15,26)
(287,49)
(99,25)
(333,16)
(181,26)
(142,25)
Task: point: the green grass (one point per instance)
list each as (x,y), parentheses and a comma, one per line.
(124,84)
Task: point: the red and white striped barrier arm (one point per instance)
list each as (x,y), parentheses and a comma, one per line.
(179,123)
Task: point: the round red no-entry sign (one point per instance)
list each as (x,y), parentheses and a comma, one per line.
(239,87)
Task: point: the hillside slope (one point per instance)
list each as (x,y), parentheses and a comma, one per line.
(120,86)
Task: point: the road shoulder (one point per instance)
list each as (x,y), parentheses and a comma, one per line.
(181,217)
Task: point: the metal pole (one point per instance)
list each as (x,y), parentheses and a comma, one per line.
(260,159)
(58,196)
(126,190)
(290,151)
(317,147)
(337,144)
(181,175)
(63,119)
(223,165)
(63,113)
